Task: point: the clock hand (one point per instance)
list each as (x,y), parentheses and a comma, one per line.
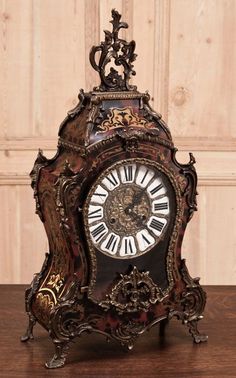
(135,201)
(139,218)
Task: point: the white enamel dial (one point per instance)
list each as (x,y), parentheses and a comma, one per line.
(128,209)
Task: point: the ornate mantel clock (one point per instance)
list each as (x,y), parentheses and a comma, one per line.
(115,203)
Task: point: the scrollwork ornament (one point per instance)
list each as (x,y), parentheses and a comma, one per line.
(40,162)
(29,294)
(192,301)
(66,174)
(127,332)
(151,115)
(68,189)
(63,326)
(114,50)
(73,112)
(131,144)
(130,138)
(189,172)
(133,292)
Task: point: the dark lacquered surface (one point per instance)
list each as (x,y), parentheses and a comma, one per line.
(91,356)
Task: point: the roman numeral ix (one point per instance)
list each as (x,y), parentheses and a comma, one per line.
(95,214)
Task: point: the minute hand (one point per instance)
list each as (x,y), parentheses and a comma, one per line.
(138,197)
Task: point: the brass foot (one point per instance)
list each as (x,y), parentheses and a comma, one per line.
(194,332)
(29,331)
(59,358)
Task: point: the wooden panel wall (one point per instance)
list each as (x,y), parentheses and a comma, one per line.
(187,60)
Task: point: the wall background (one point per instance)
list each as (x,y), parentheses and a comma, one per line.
(186,59)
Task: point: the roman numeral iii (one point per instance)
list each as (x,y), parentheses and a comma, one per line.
(161,206)
(156,225)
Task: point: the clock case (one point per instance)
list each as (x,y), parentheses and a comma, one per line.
(78,288)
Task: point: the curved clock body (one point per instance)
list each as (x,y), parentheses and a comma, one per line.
(115,204)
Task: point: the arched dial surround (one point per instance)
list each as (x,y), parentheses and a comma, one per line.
(127,209)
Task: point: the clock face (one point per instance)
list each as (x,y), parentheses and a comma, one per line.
(128,209)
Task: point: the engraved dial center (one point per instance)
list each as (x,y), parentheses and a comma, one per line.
(127,209)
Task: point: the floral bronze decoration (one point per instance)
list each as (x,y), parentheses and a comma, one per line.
(117,51)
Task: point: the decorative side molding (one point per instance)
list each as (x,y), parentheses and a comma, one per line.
(193,301)
(191,188)
(40,162)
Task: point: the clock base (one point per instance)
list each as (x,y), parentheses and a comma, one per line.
(74,315)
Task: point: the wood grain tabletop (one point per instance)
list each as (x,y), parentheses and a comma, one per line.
(173,355)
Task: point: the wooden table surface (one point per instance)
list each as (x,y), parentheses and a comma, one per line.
(91,356)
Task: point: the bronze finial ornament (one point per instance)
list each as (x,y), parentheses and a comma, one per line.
(115,203)
(117,51)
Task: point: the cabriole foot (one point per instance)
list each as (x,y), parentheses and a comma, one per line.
(29,331)
(194,332)
(59,358)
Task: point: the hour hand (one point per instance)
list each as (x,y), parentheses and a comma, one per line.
(140,219)
(135,201)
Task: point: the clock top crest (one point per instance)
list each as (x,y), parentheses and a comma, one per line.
(115,203)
